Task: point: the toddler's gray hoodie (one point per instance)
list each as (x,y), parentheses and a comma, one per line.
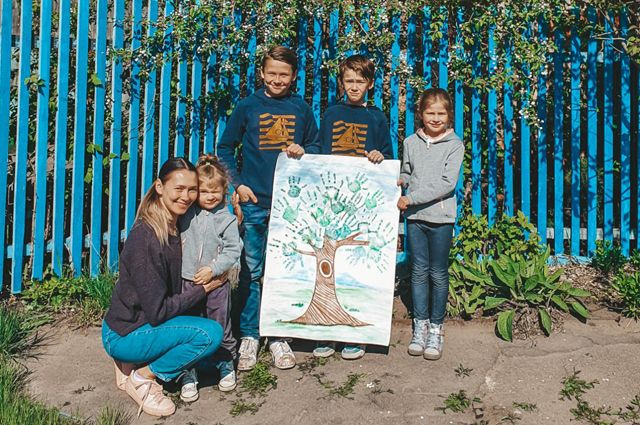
(430,172)
(209,238)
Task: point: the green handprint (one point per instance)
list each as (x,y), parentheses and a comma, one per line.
(371,201)
(356,184)
(294,187)
(289,213)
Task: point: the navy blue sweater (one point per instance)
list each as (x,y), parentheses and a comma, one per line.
(264,126)
(353,129)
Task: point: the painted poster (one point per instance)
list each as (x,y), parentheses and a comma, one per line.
(331,252)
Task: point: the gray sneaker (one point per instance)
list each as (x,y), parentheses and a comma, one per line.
(435,341)
(416,346)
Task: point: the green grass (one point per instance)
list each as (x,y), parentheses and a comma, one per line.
(18,331)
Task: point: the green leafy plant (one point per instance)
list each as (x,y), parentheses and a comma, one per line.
(468,279)
(573,387)
(608,257)
(18,331)
(627,288)
(458,402)
(345,390)
(259,380)
(523,286)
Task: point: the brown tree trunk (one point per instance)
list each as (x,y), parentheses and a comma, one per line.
(324,309)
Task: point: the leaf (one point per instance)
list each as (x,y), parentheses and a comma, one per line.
(560,303)
(505,325)
(545,319)
(577,292)
(580,309)
(493,302)
(95,80)
(503,276)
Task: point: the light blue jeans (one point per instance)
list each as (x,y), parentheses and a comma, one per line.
(254,238)
(429,245)
(169,348)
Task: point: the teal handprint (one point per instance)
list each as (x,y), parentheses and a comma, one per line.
(294,187)
(371,202)
(289,213)
(356,184)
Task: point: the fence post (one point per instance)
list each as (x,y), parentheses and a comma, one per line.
(608,134)
(394,83)
(592,136)
(508,135)
(625,143)
(476,134)
(575,140)
(558,125)
(491,135)
(164,117)
(5,104)
(542,142)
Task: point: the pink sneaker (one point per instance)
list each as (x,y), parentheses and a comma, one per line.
(148,394)
(123,370)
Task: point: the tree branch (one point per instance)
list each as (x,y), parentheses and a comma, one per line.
(351,241)
(299,251)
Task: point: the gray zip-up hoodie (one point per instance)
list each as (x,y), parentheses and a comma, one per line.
(209,238)
(430,171)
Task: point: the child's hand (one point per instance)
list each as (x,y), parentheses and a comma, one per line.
(203,275)
(403,203)
(374,156)
(235,203)
(400,182)
(294,151)
(245,194)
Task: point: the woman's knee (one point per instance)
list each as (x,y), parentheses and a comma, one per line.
(209,336)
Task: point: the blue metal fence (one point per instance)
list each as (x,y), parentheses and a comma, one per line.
(73,179)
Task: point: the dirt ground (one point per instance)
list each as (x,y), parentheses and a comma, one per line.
(73,373)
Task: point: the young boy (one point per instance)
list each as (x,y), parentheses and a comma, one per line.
(354,128)
(269,121)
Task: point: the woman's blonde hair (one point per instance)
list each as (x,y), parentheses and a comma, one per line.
(151,210)
(209,167)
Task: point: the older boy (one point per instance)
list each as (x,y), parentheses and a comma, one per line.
(265,123)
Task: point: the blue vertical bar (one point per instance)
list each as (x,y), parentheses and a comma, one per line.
(302,56)
(575,139)
(59,168)
(5,103)
(492,100)
(542,143)
(79,136)
(592,136)
(348,28)
(333,45)
(251,50)
(508,135)
(394,84)
(116,139)
(181,105)
(164,118)
(525,144)
(42,133)
(224,81)
(236,51)
(427,46)
(210,125)
(558,124)
(443,56)
(317,63)
(194,123)
(459,112)
(98,137)
(625,143)
(364,23)
(149,111)
(134,119)
(608,135)
(476,135)
(22,142)
(409,117)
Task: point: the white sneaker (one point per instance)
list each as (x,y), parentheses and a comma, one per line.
(227,380)
(149,396)
(417,344)
(324,349)
(189,390)
(283,357)
(435,341)
(248,353)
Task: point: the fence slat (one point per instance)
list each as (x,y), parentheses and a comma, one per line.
(210,125)
(508,136)
(394,82)
(60,155)
(476,134)
(149,111)
(42,133)
(542,142)
(364,23)
(5,104)
(608,135)
(236,52)
(459,114)
(409,117)
(427,47)
(558,123)
(492,105)
(116,140)
(134,120)
(592,136)
(525,145)
(251,49)
(181,105)
(334,18)
(575,140)
(625,143)
(443,56)
(79,136)
(164,116)
(317,63)
(22,146)
(224,82)
(194,124)
(302,57)
(98,137)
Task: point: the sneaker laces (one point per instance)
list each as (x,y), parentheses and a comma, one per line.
(248,346)
(418,333)
(152,391)
(280,348)
(189,377)
(434,338)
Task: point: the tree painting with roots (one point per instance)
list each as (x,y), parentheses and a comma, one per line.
(324,217)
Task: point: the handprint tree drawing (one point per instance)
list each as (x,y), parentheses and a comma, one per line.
(324,217)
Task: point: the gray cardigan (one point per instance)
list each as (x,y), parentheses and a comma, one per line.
(209,238)
(430,172)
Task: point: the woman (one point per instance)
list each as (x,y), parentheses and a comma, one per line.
(144,324)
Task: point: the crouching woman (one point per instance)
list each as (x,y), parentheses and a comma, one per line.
(145,324)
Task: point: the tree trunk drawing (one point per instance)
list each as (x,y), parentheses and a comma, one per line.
(325,309)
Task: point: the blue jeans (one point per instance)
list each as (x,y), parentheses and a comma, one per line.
(169,348)
(429,245)
(254,238)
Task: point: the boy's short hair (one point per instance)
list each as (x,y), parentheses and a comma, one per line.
(359,64)
(281,54)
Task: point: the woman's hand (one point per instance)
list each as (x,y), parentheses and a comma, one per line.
(374,156)
(403,203)
(216,282)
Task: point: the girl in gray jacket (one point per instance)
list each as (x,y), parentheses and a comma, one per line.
(211,246)
(430,169)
